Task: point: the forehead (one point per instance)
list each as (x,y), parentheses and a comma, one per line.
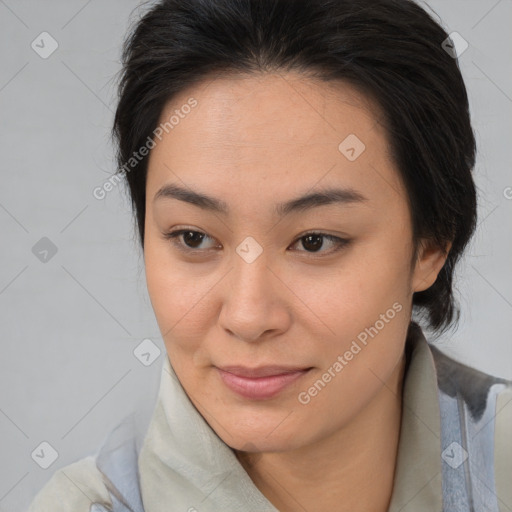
(252,107)
(279,133)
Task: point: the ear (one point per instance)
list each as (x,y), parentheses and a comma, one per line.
(429,262)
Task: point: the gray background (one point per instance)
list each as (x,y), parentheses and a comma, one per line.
(70,324)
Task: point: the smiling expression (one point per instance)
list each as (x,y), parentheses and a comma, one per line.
(268,243)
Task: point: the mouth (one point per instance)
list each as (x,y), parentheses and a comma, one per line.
(260,383)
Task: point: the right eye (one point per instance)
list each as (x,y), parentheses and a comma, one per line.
(187,240)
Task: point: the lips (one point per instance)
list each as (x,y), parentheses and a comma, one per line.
(262,371)
(260,383)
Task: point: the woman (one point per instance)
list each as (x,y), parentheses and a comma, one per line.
(300,174)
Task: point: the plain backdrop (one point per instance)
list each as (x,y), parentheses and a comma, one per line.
(73,300)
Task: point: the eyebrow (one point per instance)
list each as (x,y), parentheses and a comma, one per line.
(303,203)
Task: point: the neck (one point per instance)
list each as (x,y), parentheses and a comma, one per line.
(351,470)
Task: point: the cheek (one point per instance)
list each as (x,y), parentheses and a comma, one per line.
(381,268)
(366,308)
(365,303)
(177,296)
(353,294)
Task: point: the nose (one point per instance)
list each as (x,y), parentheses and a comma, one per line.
(254,303)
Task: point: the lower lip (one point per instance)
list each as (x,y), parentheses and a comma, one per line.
(262,387)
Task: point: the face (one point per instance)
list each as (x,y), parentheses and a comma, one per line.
(316,293)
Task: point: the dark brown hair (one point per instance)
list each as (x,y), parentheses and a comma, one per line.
(390,49)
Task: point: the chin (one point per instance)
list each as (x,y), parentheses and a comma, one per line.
(260,432)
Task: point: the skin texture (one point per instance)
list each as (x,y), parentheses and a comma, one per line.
(254,141)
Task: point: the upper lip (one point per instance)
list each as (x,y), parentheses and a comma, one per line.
(261,371)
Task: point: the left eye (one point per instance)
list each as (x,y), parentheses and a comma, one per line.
(313,242)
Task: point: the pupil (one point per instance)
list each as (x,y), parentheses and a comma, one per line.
(194,234)
(311,242)
(315,245)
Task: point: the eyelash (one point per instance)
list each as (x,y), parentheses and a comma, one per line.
(173,235)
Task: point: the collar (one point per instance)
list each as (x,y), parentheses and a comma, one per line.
(418,479)
(184,462)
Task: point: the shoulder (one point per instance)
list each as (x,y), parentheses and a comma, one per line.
(503,447)
(74,487)
(483,393)
(475,387)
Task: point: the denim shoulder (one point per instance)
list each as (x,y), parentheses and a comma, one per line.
(476,428)
(117,461)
